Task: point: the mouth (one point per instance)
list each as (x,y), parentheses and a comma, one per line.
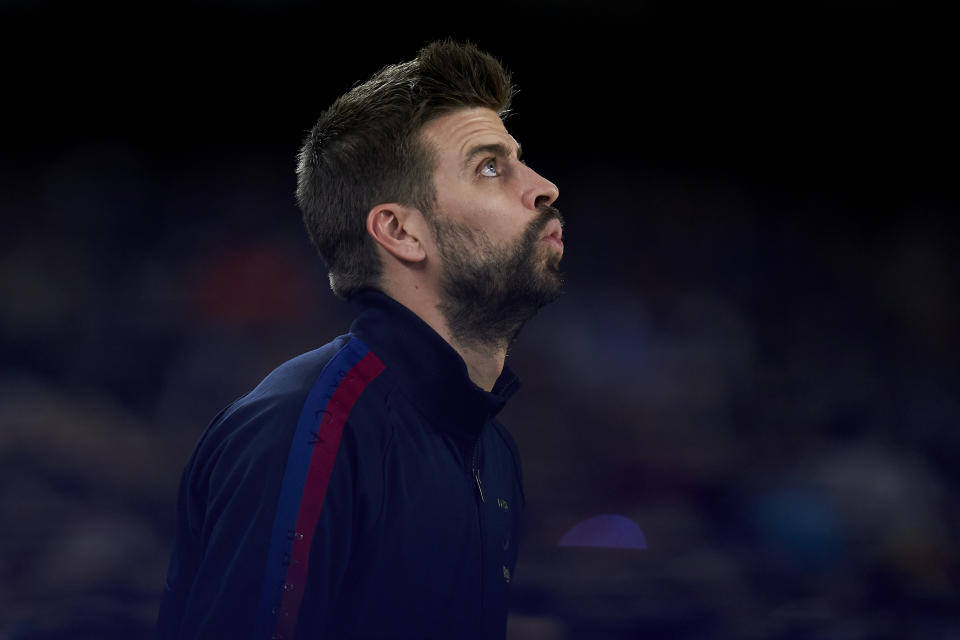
(553,234)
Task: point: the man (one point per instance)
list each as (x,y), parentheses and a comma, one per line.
(365,490)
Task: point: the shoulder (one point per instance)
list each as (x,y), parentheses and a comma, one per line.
(262,423)
(280,396)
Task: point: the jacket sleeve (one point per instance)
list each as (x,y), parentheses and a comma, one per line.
(262,512)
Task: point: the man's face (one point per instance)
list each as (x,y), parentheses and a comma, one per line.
(496,234)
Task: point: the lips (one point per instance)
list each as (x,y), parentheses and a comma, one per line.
(553,234)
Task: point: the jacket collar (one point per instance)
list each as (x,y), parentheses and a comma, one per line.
(429,370)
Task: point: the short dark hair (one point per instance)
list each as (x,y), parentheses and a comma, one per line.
(367,149)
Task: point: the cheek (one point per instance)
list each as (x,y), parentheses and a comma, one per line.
(510,233)
(488,211)
(506,221)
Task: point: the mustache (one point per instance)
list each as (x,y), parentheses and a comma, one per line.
(546,213)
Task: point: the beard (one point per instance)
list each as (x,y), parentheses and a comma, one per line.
(487,292)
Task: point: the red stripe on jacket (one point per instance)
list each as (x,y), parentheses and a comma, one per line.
(315,488)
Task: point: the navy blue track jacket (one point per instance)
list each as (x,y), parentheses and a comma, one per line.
(362,490)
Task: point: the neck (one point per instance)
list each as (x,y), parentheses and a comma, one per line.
(484,362)
(484,365)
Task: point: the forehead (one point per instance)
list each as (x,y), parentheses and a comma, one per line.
(454,135)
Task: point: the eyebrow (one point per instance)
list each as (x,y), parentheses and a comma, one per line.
(497,149)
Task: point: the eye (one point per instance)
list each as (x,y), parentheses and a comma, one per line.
(489,169)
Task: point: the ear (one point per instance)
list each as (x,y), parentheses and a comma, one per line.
(398,229)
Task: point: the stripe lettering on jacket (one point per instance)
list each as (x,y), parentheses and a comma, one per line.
(307,474)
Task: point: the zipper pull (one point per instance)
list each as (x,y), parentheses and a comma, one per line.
(478,484)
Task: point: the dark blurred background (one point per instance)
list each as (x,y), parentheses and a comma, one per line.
(755,361)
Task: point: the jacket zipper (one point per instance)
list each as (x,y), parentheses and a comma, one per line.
(478,485)
(476,470)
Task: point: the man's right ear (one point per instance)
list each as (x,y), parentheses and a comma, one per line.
(399,230)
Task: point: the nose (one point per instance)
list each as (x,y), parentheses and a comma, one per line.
(538,190)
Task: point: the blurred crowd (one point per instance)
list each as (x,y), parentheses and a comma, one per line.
(764,382)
